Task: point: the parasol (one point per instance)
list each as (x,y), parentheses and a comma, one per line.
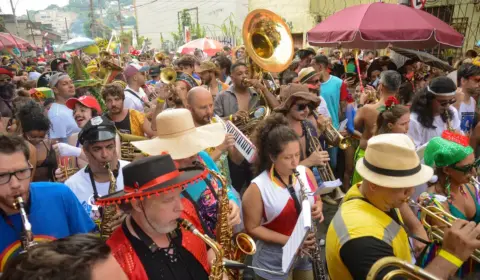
(75,44)
(208,46)
(424,57)
(376,25)
(11,41)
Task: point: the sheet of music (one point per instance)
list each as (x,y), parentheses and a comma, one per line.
(295,242)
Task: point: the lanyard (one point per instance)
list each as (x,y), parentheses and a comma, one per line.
(92,180)
(290,189)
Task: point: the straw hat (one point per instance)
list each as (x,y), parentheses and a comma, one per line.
(391,161)
(178,136)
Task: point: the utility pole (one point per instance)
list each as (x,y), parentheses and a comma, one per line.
(120,17)
(92,19)
(66,28)
(14,17)
(31,28)
(136,18)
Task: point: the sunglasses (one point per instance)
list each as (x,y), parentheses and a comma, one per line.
(466,168)
(301,107)
(445,103)
(6,81)
(313,82)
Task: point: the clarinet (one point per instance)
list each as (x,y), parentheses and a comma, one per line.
(315,253)
(27,235)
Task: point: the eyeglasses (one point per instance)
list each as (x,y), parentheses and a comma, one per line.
(21,174)
(445,103)
(466,168)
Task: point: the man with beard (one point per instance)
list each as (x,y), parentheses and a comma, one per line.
(209,73)
(128,121)
(200,104)
(7,94)
(468,81)
(60,116)
(52,209)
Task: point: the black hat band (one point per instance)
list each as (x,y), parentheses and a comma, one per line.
(391,172)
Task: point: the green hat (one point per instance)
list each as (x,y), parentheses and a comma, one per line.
(447,150)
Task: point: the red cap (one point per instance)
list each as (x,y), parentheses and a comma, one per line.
(6,72)
(87,101)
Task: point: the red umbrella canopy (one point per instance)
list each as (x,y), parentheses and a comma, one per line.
(208,46)
(11,41)
(377,25)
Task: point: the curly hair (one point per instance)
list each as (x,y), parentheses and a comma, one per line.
(187,60)
(70,258)
(270,137)
(422,103)
(112,89)
(391,115)
(31,117)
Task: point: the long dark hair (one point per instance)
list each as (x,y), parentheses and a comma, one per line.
(270,138)
(422,103)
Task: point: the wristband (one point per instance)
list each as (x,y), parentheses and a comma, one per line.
(230,118)
(159,100)
(450,258)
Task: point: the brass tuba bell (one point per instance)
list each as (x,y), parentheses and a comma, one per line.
(168,75)
(268,41)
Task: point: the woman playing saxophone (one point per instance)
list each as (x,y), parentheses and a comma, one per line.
(271,202)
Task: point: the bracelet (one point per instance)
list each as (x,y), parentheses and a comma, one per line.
(450,258)
(359,106)
(159,100)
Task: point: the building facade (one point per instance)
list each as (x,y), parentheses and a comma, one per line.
(303,15)
(159,19)
(61,21)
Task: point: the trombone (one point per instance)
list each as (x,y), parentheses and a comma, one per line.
(436,213)
(405,269)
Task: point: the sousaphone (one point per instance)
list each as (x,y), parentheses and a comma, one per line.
(269,48)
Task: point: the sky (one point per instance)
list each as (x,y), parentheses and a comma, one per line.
(23,5)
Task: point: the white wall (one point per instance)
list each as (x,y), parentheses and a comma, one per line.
(161,16)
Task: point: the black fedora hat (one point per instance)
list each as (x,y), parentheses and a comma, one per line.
(152,176)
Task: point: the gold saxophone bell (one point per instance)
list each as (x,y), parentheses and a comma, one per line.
(245,245)
(168,75)
(405,270)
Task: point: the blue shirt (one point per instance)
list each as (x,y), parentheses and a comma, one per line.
(54,213)
(330,91)
(203,197)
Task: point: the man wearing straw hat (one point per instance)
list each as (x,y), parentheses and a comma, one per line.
(149,244)
(369,226)
(178,136)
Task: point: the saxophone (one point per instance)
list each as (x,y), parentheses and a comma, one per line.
(109,210)
(315,253)
(27,235)
(234,247)
(217,267)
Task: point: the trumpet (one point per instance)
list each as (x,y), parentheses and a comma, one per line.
(406,270)
(440,215)
(334,137)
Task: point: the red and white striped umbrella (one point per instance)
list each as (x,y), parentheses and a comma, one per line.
(208,46)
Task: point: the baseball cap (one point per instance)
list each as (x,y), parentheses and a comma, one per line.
(86,100)
(97,129)
(154,71)
(133,69)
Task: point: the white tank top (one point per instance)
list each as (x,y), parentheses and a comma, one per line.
(279,212)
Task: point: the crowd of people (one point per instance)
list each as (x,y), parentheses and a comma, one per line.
(92,149)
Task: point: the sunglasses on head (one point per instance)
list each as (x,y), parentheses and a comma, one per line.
(445,103)
(8,80)
(466,168)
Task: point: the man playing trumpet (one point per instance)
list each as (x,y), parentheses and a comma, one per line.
(369,226)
